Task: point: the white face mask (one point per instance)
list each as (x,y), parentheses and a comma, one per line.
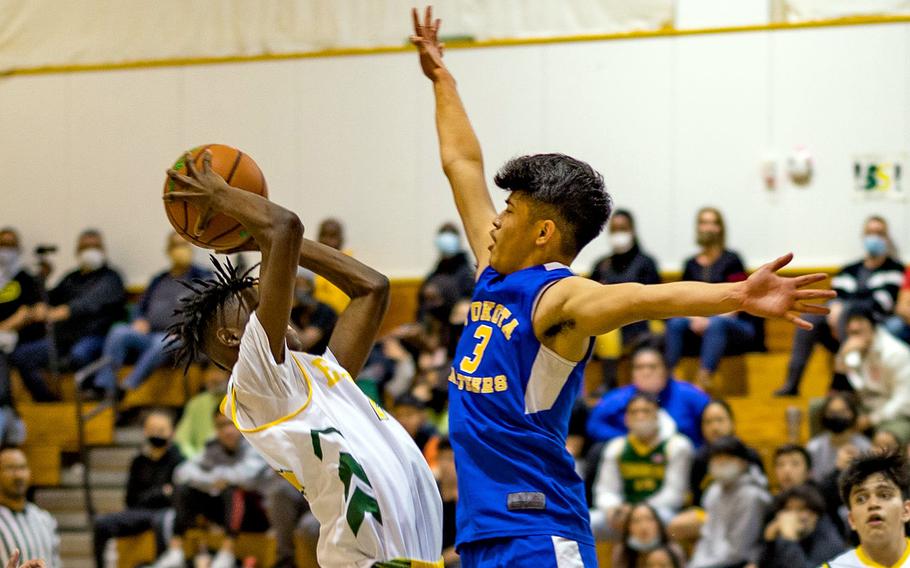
(725,472)
(91,259)
(621,241)
(644,429)
(642,545)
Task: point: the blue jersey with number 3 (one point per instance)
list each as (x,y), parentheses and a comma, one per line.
(509,404)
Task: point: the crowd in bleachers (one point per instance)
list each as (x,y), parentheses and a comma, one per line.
(668,480)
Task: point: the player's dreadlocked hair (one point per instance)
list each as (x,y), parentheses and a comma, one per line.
(197,309)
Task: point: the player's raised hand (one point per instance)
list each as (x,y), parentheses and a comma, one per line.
(768,294)
(13,561)
(426,38)
(198,188)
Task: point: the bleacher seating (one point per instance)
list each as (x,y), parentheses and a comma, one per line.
(747,381)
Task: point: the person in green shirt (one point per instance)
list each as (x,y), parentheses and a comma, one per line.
(196,426)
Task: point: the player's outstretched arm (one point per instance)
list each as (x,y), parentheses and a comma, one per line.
(277,232)
(355,332)
(592,309)
(459,149)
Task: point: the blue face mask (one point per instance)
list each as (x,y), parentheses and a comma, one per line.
(875,245)
(447,243)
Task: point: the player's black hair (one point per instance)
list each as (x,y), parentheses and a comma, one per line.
(891,465)
(572,189)
(198,308)
(788,449)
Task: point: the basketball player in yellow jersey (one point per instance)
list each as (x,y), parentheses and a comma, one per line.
(365,480)
(876,490)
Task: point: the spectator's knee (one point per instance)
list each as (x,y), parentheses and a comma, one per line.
(677,325)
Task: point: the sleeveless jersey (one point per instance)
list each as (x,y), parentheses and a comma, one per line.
(642,470)
(857,558)
(366,482)
(509,404)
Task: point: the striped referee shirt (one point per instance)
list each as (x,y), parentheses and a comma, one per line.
(33,531)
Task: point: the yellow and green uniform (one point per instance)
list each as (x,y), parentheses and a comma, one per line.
(858,558)
(642,469)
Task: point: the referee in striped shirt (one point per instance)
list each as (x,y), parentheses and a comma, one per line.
(23,526)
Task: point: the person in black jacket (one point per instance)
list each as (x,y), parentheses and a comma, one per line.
(627,262)
(454,265)
(20,298)
(149,489)
(872,282)
(800,534)
(83,307)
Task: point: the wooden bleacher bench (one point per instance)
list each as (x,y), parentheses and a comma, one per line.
(165,387)
(55,424)
(136,550)
(44,462)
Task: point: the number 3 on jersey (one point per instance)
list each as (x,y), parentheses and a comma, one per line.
(470,364)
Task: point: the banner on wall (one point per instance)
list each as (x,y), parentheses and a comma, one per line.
(809,10)
(880,176)
(51,33)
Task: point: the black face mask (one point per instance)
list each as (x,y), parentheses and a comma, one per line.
(157,441)
(836,423)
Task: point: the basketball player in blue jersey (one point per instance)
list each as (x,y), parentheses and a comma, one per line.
(518,366)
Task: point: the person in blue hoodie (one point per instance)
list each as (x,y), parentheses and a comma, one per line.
(681,403)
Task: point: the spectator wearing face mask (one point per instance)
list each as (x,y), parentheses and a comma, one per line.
(83,307)
(871,283)
(146,337)
(735,505)
(313,320)
(800,534)
(644,466)
(627,262)
(838,421)
(716,336)
(20,297)
(682,402)
(454,263)
(642,533)
(717,421)
(149,491)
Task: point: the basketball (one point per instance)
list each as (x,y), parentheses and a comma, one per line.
(238,170)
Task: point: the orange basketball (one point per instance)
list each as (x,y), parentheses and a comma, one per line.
(240,171)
